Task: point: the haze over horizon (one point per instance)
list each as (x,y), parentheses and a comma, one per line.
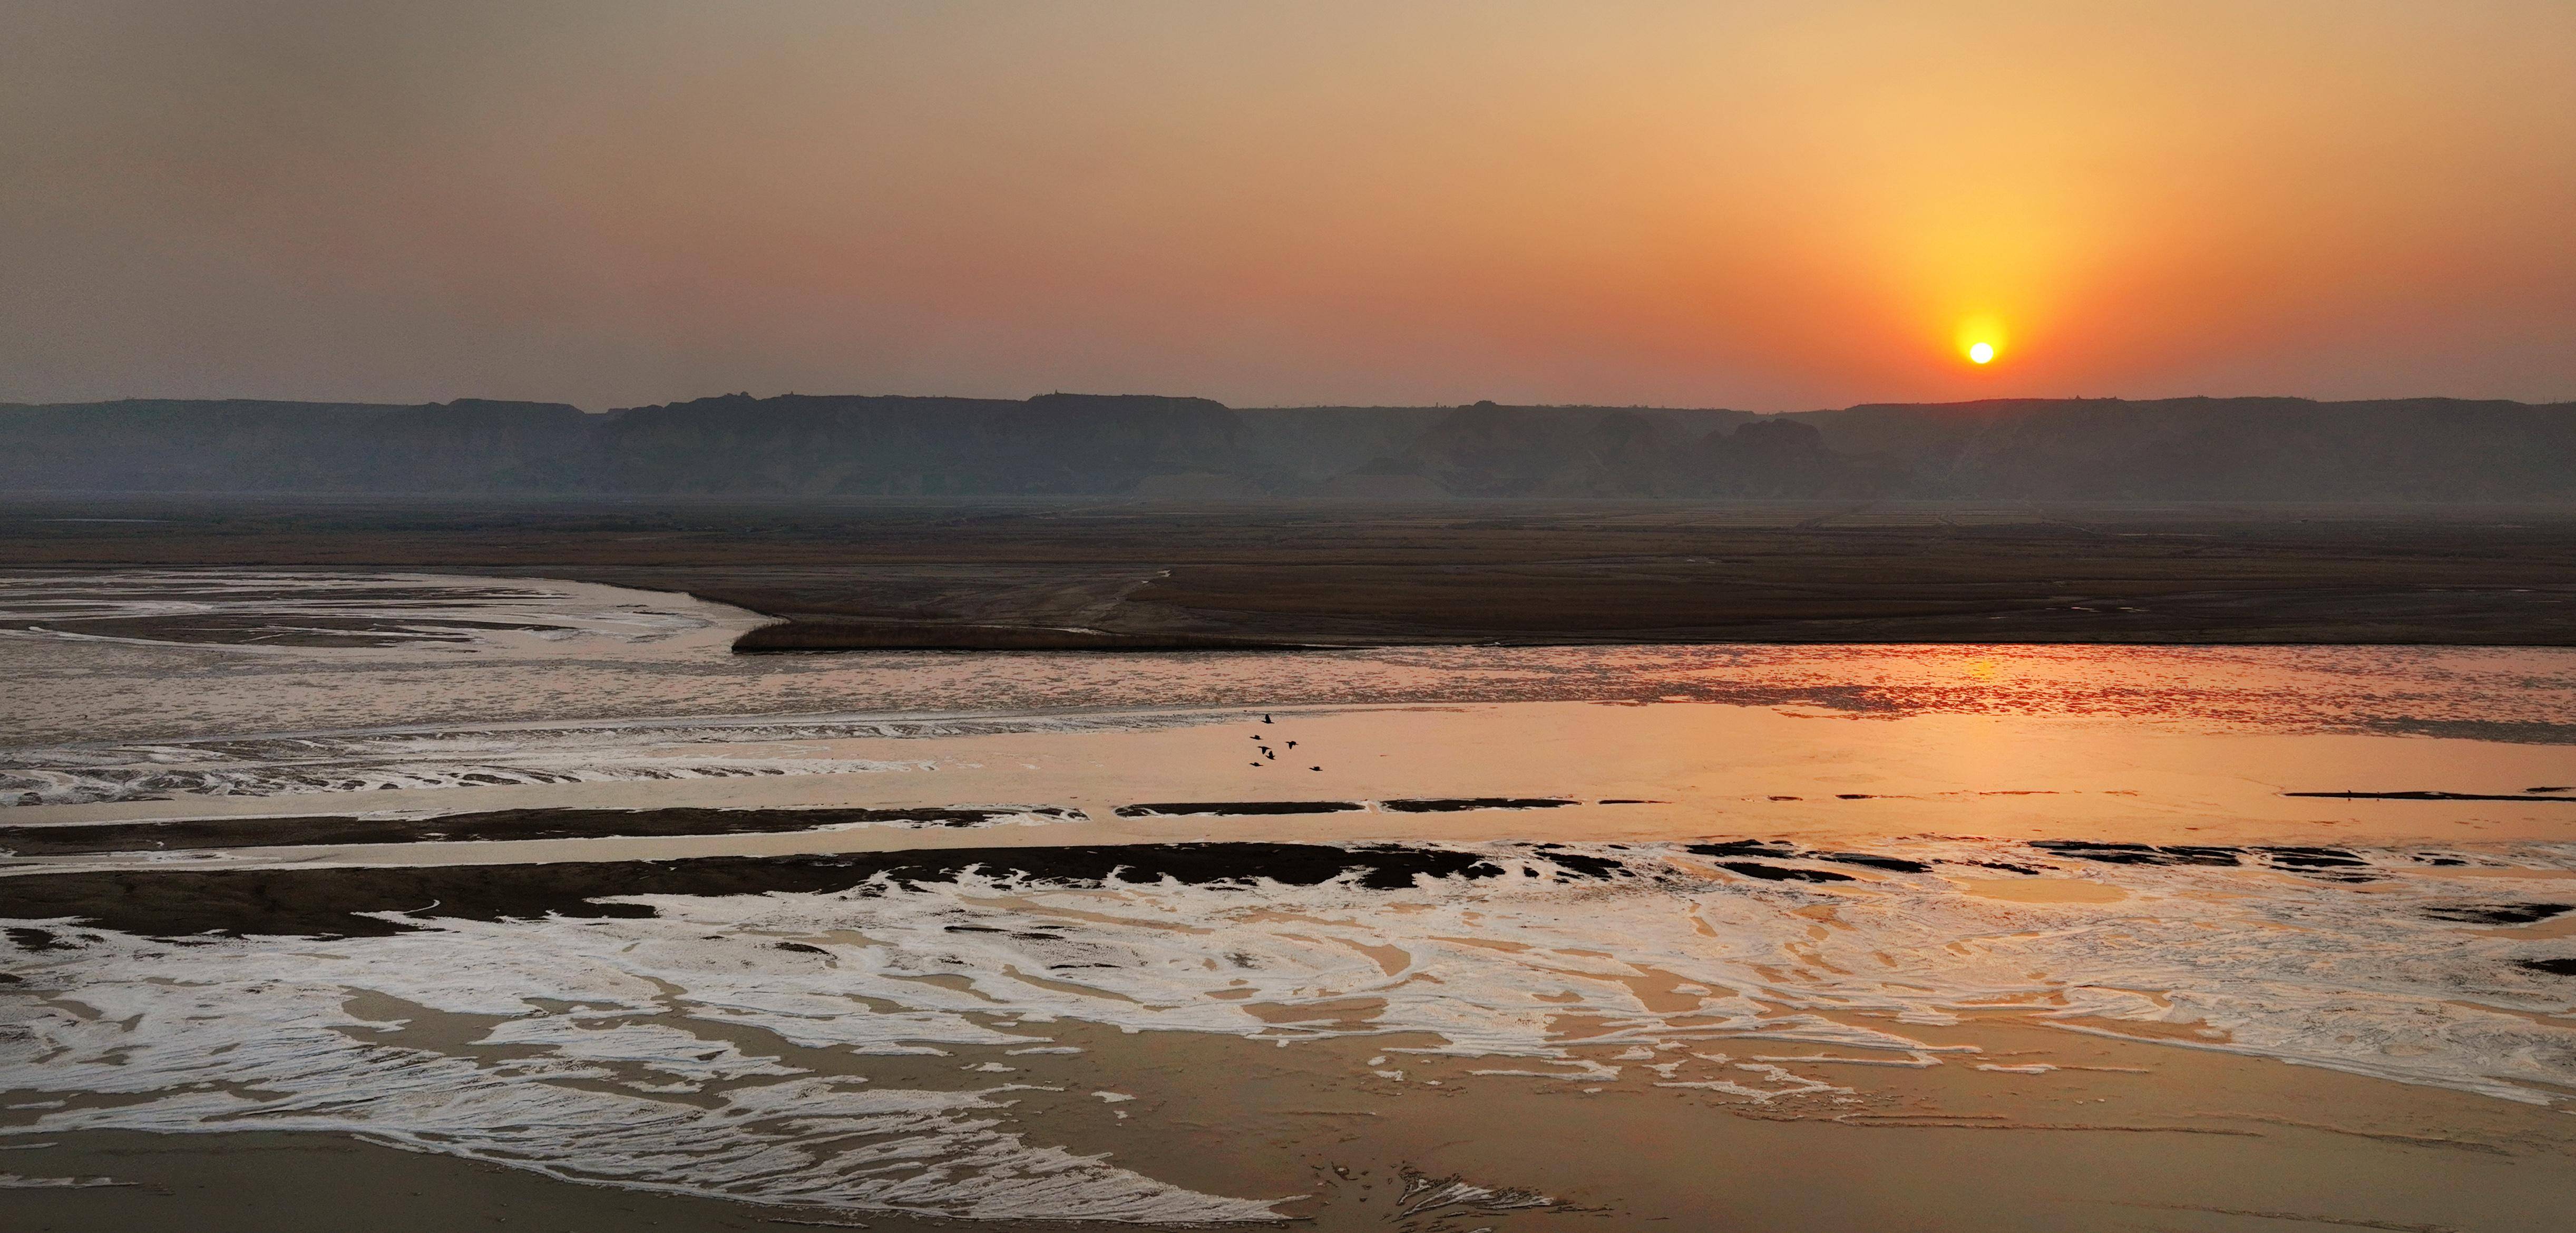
(1368,616)
(1759,206)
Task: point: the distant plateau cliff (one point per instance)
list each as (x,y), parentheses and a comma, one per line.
(799,446)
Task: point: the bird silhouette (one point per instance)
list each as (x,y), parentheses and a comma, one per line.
(1314,768)
(1292,744)
(1265,719)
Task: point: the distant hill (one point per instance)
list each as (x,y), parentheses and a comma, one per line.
(2195,449)
(2219,449)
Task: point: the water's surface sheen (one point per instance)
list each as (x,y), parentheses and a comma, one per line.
(1764,871)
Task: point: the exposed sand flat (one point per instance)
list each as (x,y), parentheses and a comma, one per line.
(1732,937)
(2116,1136)
(2385,966)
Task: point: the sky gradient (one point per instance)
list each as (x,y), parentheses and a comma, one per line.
(1766,206)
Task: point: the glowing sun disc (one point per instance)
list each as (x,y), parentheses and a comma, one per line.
(1981,353)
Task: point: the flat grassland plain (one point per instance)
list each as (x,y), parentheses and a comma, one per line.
(1448,867)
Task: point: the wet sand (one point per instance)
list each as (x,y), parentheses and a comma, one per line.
(1534,771)
(341,902)
(501,825)
(2119,1135)
(2019,939)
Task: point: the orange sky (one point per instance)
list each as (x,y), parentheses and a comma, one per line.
(1771,206)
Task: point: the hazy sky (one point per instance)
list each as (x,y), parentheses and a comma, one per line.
(1770,206)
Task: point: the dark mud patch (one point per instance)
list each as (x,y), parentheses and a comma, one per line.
(1867,860)
(2313,858)
(1584,866)
(328,902)
(802,633)
(1234,809)
(1783,873)
(2006,866)
(2138,853)
(2497,913)
(2333,864)
(1742,847)
(37,940)
(1787,851)
(2526,796)
(508,824)
(1461,804)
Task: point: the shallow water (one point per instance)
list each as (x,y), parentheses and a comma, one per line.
(558,652)
(1757,874)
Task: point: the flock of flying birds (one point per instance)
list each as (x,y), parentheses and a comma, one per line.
(1268,754)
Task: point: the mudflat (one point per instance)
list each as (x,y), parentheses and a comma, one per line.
(1242,1033)
(993,574)
(532,904)
(2094,1133)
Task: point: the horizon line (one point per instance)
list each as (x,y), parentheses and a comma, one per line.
(1317,406)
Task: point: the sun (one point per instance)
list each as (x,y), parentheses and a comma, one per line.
(1981,337)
